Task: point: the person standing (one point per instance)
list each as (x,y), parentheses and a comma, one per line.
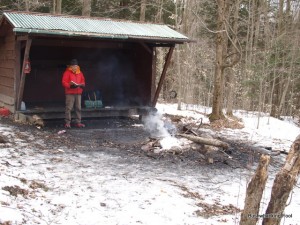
(73,81)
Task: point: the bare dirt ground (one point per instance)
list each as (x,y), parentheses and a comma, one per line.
(126,136)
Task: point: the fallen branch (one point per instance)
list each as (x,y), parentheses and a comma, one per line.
(188,129)
(206,141)
(267,151)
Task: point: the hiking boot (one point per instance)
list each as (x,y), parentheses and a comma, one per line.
(79,125)
(67,125)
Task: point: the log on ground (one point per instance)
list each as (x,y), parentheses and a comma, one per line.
(206,141)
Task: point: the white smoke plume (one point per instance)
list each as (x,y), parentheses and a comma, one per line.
(160,129)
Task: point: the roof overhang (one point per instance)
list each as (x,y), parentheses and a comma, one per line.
(36,24)
(66,34)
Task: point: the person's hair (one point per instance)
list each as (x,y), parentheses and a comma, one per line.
(73,62)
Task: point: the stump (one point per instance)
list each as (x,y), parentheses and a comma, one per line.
(284,182)
(255,190)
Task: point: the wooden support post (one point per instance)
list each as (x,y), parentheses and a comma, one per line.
(284,182)
(17,73)
(153,77)
(255,191)
(163,75)
(22,80)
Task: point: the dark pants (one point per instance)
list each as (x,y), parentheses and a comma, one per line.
(72,100)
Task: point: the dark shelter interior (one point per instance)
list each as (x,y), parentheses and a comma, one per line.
(120,71)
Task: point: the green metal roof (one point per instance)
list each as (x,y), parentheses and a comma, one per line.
(48,24)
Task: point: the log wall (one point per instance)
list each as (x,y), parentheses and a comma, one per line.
(7,68)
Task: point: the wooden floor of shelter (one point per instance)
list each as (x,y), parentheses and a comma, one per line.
(57,111)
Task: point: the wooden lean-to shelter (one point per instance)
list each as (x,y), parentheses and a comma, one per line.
(118,58)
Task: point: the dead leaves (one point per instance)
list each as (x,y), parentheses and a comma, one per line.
(37,185)
(216,209)
(231,123)
(207,210)
(3,139)
(16,190)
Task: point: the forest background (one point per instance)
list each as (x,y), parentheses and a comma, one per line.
(244,54)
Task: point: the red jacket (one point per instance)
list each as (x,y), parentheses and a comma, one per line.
(69,76)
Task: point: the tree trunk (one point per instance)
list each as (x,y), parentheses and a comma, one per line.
(217,93)
(283,185)
(255,191)
(281,26)
(221,47)
(27,5)
(57,6)
(230,92)
(86,8)
(283,96)
(158,17)
(275,97)
(178,68)
(230,71)
(288,81)
(143,11)
(260,101)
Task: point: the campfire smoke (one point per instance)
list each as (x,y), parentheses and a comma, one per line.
(160,129)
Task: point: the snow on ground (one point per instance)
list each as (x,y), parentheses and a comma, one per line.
(62,186)
(271,132)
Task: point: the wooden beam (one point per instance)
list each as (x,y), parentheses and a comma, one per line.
(22,38)
(153,77)
(161,45)
(79,43)
(163,75)
(22,80)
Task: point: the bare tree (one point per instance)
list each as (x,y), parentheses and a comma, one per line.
(86,8)
(231,71)
(57,6)
(27,5)
(221,48)
(143,10)
(158,16)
